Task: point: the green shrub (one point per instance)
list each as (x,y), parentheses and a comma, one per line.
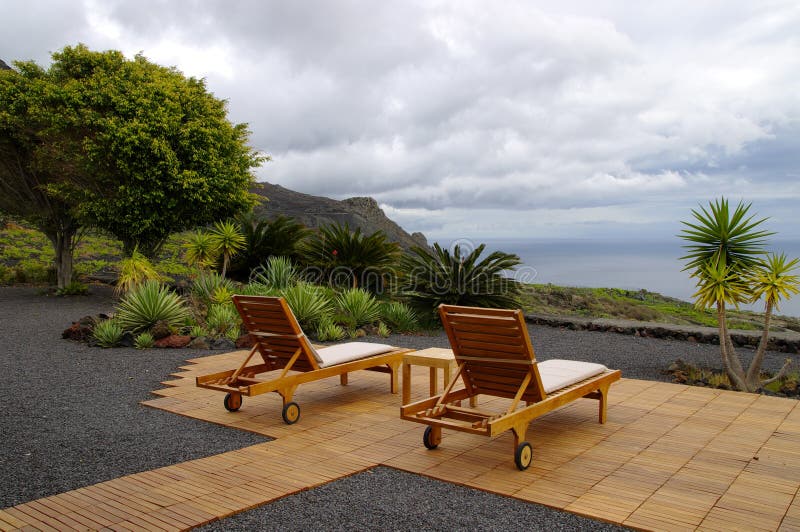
(73,289)
(144,341)
(223,318)
(222,295)
(435,277)
(278,272)
(197,331)
(383,330)
(7,275)
(308,302)
(204,287)
(328,331)
(107,333)
(399,316)
(88,267)
(359,306)
(259,289)
(149,303)
(34,271)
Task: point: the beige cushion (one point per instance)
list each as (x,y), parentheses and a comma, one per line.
(557,373)
(347,352)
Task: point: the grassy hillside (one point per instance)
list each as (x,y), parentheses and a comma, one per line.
(636,305)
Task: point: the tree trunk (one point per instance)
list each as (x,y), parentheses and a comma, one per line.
(754,371)
(733,366)
(63,242)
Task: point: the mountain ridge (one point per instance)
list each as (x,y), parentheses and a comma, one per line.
(313,211)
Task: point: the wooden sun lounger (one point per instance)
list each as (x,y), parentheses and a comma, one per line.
(288,359)
(495,358)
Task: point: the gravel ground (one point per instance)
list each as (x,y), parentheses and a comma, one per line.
(70,417)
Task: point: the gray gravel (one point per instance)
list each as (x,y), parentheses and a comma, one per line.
(70,417)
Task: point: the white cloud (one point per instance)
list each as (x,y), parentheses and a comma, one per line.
(542,117)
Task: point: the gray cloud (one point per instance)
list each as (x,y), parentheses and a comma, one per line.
(584,114)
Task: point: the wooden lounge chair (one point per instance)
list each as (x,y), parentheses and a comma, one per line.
(288,359)
(495,358)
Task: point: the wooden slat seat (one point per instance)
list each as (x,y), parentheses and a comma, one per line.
(290,360)
(495,358)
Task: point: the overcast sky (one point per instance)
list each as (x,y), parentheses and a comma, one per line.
(485,119)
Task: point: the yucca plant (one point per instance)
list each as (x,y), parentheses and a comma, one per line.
(435,277)
(308,302)
(201,250)
(197,331)
(726,256)
(399,316)
(228,240)
(149,303)
(107,333)
(144,340)
(258,289)
(342,257)
(135,271)
(358,306)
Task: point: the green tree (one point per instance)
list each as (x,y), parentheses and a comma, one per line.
(134,148)
(727,257)
(431,278)
(30,166)
(201,250)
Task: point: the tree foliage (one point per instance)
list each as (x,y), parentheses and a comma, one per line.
(132,147)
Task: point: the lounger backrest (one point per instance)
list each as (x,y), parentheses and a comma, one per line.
(275,331)
(494,346)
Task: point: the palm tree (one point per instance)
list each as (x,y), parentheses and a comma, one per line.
(437,276)
(726,257)
(264,239)
(228,240)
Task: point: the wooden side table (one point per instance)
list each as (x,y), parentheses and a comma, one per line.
(435,358)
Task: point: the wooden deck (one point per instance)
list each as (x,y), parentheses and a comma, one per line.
(670,457)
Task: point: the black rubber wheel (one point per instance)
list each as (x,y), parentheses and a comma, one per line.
(291,413)
(233,402)
(523,456)
(427,439)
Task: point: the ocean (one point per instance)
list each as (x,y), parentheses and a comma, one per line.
(628,264)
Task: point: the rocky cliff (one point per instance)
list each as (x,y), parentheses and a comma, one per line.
(314,211)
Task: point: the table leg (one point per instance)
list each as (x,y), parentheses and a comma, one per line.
(434,385)
(406,383)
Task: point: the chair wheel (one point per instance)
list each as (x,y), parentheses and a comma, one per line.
(232,402)
(523,456)
(429,440)
(291,413)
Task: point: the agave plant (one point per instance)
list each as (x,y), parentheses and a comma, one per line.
(329,331)
(107,333)
(222,319)
(342,257)
(149,303)
(205,286)
(277,272)
(435,277)
(358,306)
(308,302)
(399,316)
(144,340)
